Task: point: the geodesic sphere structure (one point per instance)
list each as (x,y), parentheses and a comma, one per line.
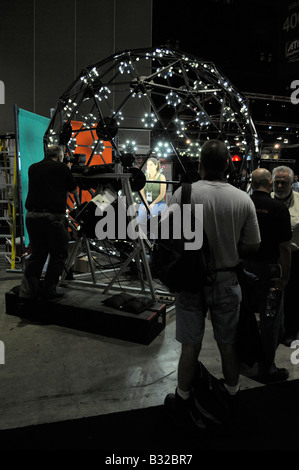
(151,102)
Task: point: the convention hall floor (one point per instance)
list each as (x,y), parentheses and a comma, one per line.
(54,373)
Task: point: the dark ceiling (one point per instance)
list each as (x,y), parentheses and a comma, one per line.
(240,37)
(246,40)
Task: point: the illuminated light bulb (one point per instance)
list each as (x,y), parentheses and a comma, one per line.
(103,93)
(202,119)
(69,107)
(129,146)
(98,147)
(89,120)
(93,73)
(228,114)
(244,110)
(126,67)
(194,149)
(118,118)
(165,73)
(173,99)
(52,137)
(163,149)
(73,144)
(90,76)
(180,124)
(149,120)
(198,85)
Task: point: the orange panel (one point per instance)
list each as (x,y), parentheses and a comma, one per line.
(84,141)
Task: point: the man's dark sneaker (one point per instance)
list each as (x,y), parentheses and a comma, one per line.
(201,416)
(233,403)
(232,400)
(280,375)
(182,412)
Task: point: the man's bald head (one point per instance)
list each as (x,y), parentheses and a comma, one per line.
(261,179)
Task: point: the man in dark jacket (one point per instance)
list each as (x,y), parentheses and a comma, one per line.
(282,190)
(271,264)
(50,180)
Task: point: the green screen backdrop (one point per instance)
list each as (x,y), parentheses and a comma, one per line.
(32,128)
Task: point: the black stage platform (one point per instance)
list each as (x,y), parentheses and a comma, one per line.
(85,310)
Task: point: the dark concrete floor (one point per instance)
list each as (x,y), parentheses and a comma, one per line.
(53,373)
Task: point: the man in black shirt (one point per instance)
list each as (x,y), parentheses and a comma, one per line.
(282,190)
(50,180)
(271,264)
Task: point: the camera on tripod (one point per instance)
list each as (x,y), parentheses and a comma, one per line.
(77,159)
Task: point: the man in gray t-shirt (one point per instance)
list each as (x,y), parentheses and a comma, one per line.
(231,225)
(229,217)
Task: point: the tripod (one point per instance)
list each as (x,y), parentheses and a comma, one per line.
(138,253)
(81,242)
